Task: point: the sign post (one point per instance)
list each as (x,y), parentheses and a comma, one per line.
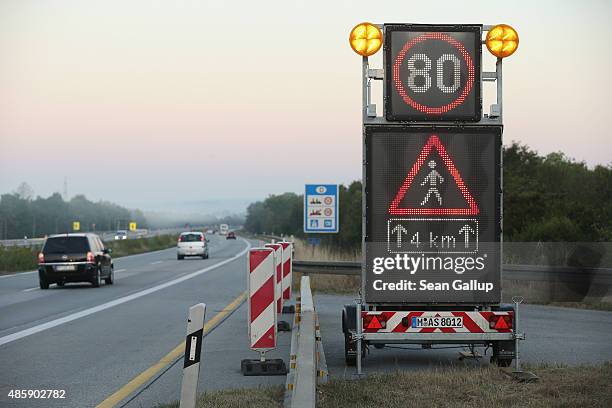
(193,351)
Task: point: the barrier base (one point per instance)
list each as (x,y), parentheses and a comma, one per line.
(275,366)
(283,326)
(289,309)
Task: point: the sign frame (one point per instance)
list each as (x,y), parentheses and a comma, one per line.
(368,131)
(311,190)
(388,81)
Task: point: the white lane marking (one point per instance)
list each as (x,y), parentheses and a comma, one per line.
(29,290)
(120,270)
(17,274)
(53,323)
(156,262)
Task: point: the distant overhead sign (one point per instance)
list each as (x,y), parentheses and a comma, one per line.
(433,72)
(321,208)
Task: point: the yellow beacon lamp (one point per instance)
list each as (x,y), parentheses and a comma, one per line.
(502,40)
(366,39)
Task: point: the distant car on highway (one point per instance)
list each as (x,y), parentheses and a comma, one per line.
(121,234)
(77,257)
(231,235)
(192,244)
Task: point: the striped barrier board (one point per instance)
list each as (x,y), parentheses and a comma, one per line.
(278,256)
(262,297)
(287,269)
(424,322)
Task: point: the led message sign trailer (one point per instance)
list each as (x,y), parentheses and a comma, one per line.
(432,73)
(433,219)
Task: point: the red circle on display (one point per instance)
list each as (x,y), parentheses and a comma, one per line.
(328,200)
(428,109)
(327,212)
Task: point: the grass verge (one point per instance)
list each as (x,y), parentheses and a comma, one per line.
(14,259)
(584,386)
(239,398)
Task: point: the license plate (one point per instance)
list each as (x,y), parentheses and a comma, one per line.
(62,268)
(437,322)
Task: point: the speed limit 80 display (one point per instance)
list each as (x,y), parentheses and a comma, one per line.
(432,73)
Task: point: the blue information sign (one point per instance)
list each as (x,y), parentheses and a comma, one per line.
(321,208)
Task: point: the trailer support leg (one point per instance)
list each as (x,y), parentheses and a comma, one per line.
(359,336)
(518,373)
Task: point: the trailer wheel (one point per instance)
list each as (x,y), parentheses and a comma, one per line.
(501,362)
(350,353)
(350,349)
(503,353)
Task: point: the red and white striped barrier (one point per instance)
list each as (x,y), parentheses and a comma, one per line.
(262,297)
(287,269)
(278,257)
(410,322)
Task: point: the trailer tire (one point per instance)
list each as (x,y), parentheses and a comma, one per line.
(350,355)
(501,362)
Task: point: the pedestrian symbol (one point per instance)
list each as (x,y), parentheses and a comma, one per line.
(432,201)
(432,179)
(314,223)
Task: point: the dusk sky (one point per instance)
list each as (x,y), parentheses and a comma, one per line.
(148,102)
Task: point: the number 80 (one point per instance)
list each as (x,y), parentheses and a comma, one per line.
(425,73)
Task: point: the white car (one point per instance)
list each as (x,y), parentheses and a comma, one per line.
(192,244)
(121,234)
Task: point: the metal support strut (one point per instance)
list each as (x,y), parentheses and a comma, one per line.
(518,373)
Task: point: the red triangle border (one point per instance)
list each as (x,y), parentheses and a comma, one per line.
(434,141)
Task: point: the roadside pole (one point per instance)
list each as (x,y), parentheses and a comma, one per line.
(193,350)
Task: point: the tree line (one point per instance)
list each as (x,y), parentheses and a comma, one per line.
(23,216)
(548,198)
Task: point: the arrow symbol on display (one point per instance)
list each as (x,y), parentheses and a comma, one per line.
(400,230)
(465,230)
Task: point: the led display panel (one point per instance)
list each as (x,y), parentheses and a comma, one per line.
(433,214)
(432,73)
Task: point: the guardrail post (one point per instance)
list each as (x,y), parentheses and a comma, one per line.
(193,350)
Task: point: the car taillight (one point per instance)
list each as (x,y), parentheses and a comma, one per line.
(90,257)
(41,258)
(500,322)
(202,238)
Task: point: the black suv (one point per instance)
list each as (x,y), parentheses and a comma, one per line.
(74,258)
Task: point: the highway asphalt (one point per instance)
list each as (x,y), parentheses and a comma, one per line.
(93,342)
(102,338)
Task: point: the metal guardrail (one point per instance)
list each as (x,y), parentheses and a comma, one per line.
(511,272)
(307,359)
(104,235)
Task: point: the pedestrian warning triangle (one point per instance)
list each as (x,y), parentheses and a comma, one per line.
(433,143)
